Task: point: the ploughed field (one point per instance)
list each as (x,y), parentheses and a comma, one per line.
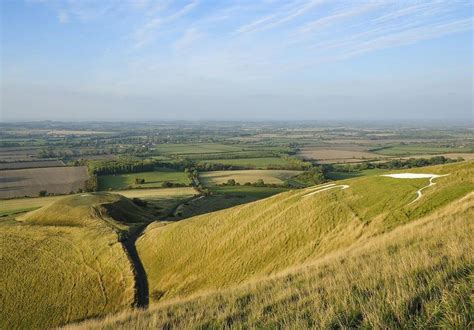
(53,180)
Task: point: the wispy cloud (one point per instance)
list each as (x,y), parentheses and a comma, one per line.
(148,30)
(284,15)
(190,36)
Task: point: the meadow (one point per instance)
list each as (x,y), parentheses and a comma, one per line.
(243,176)
(153,179)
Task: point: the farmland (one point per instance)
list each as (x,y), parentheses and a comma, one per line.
(54,180)
(252,176)
(151,179)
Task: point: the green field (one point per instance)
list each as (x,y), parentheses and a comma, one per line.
(153,179)
(261,163)
(223,197)
(242,176)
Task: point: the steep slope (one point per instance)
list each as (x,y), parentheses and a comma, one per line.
(226,248)
(418,275)
(64,262)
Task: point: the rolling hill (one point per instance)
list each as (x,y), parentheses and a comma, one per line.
(64,262)
(359,253)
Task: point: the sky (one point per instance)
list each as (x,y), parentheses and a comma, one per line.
(79,60)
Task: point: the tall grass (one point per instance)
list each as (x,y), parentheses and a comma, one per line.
(416,276)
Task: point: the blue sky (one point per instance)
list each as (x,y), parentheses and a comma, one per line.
(198,59)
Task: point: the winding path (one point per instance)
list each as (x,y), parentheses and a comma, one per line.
(416,176)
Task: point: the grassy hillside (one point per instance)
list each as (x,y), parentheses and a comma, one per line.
(416,276)
(228,247)
(64,262)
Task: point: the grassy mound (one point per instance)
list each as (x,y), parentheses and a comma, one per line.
(89,209)
(418,275)
(64,262)
(226,248)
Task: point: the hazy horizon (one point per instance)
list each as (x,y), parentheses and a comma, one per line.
(237,61)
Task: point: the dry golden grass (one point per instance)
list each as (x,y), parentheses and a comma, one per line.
(225,248)
(417,276)
(55,275)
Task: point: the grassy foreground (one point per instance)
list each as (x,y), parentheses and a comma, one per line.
(423,279)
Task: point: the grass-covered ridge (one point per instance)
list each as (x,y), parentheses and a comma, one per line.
(89,209)
(225,248)
(417,276)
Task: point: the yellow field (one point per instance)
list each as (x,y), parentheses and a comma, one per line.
(268,176)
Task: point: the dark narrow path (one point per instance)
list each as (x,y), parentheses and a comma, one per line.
(141,281)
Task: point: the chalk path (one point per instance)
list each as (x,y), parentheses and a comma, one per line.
(326,187)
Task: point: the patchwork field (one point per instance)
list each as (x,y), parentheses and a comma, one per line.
(327,156)
(268,176)
(152,179)
(54,180)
